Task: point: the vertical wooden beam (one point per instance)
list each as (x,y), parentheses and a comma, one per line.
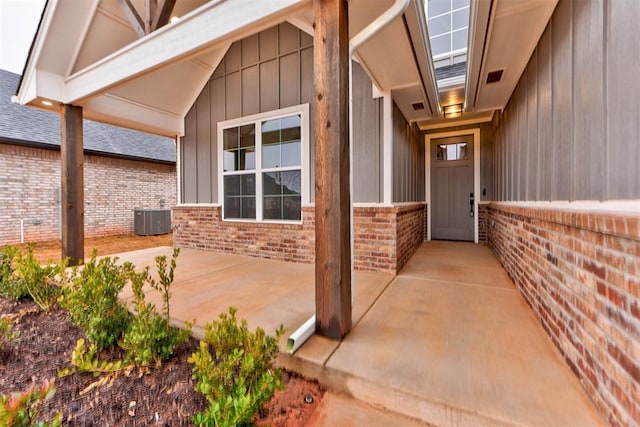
(331,126)
(71,151)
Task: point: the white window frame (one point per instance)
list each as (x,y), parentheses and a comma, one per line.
(257,119)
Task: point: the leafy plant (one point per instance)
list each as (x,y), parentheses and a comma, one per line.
(87,360)
(150,336)
(92,300)
(9,286)
(23,409)
(41,282)
(237,379)
(7,334)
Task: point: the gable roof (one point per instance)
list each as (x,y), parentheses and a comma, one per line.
(29,126)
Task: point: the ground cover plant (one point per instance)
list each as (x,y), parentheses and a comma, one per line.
(150,394)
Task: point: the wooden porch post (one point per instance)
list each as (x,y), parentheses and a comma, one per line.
(72,157)
(331,126)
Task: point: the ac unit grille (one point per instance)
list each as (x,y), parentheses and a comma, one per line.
(152,222)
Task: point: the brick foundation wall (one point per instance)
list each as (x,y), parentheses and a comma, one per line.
(30,183)
(580,273)
(384,237)
(483,213)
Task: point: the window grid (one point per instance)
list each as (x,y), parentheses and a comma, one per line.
(258,172)
(451,52)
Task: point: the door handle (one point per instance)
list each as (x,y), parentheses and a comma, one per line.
(471,205)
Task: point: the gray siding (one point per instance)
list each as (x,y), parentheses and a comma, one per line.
(264,72)
(570,130)
(367,140)
(261,73)
(487,164)
(408,160)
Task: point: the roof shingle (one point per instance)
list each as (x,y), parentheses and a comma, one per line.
(20,123)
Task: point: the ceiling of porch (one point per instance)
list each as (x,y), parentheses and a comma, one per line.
(88,53)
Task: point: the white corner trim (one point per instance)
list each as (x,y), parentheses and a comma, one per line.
(178,171)
(476,174)
(387,148)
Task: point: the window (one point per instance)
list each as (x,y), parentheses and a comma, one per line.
(262,160)
(448,23)
(452,152)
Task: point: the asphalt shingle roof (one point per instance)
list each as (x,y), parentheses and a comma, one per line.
(26,124)
(449,71)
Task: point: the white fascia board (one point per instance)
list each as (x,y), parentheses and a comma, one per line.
(122,112)
(214,22)
(49,85)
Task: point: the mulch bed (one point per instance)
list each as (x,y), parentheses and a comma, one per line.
(165,396)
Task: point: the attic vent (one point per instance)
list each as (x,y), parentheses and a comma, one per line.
(418,106)
(494,76)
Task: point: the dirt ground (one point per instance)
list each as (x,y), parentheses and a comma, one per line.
(52,249)
(163,397)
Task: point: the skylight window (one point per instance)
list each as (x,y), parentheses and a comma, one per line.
(448,23)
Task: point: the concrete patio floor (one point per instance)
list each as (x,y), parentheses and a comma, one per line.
(449,341)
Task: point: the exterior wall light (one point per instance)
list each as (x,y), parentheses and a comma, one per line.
(47,103)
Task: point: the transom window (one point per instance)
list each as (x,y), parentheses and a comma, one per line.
(262,166)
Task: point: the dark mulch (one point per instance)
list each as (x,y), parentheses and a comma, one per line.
(164,396)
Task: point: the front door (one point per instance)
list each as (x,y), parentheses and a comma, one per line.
(452,188)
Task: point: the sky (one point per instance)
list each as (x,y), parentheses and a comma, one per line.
(18,24)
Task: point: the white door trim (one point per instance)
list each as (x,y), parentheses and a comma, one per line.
(476,174)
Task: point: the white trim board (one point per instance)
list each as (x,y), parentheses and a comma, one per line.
(476,174)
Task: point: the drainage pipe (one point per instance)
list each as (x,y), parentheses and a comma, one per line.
(301,335)
(399,6)
(22,231)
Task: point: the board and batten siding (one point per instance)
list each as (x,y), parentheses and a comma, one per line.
(408,160)
(570,130)
(265,72)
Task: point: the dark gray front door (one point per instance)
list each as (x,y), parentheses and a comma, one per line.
(452,188)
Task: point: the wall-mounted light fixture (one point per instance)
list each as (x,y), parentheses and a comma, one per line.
(453,111)
(47,103)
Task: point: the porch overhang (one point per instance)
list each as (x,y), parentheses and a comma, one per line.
(88,55)
(142,85)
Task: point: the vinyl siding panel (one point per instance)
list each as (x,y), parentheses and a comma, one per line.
(408,160)
(580,93)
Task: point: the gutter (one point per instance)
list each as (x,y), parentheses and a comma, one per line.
(397,9)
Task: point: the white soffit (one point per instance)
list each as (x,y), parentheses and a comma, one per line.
(143,84)
(514,31)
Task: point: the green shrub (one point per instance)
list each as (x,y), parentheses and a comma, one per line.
(237,380)
(9,286)
(7,334)
(92,300)
(150,337)
(43,284)
(23,409)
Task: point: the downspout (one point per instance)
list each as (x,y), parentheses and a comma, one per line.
(399,6)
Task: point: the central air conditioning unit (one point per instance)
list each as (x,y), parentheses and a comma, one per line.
(151,222)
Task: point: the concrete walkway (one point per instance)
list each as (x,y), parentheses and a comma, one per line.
(449,341)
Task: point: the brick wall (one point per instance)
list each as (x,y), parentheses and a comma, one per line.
(580,273)
(384,237)
(30,183)
(483,213)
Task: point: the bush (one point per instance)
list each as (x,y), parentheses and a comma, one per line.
(92,300)
(9,286)
(150,337)
(43,284)
(237,380)
(7,334)
(22,409)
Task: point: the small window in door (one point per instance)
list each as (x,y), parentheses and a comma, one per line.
(452,152)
